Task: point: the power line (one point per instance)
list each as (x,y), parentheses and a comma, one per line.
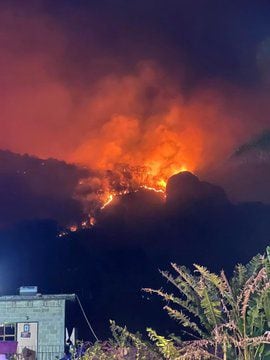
(86,319)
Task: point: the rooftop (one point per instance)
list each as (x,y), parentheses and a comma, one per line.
(71,297)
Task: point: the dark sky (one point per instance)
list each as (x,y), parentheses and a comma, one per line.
(211,39)
(86,85)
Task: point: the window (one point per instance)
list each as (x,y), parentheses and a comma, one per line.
(7,332)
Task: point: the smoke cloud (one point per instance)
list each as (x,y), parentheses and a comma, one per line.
(105,111)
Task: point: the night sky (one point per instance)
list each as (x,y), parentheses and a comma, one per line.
(104,98)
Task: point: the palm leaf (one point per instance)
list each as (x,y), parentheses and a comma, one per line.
(211,307)
(184,320)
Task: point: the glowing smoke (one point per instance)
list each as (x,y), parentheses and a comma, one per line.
(133,128)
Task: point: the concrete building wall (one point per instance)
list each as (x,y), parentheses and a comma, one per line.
(49,314)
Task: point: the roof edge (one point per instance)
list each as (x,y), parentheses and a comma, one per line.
(70,297)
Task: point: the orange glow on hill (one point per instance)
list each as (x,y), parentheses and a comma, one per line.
(140,130)
(108,201)
(159,188)
(149,158)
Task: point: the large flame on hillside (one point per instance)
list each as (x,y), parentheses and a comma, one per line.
(141,128)
(138,130)
(158,186)
(99,191)
(132,122)
(135,131)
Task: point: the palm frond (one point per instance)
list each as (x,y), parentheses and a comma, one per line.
(184,320)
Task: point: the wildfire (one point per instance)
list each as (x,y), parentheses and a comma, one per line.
(137,142)
(121,180)
(152,189)
(92,221)
(159,188)
(108,201)
(107,197)
(73,228)
(112,195)
(162,183)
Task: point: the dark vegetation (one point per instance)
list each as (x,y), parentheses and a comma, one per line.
(219,318)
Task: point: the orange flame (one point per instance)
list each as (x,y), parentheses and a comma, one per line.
(157,135)
(107,198)
(108,201)
(138,131)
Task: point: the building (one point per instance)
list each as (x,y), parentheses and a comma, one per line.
(34,321)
